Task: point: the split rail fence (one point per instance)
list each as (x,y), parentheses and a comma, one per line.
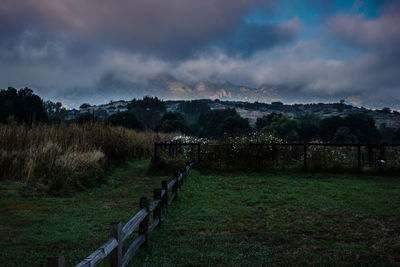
(141,221)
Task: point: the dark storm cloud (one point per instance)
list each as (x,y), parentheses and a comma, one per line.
(376,72)
(380,34)
(101,49)
(168,28)
(252,37)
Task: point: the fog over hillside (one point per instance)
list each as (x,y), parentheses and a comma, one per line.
(167,87)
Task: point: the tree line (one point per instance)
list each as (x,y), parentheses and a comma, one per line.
(197,119)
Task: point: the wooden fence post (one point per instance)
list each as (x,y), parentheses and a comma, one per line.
(359,157)
(55,261)
(164,185)
(183,176)
(305,156)
(198,152)
(157,210)
(370,155)
(381,156)
(144,225)
(116,254)
(179,174)
(175,187)
(155,150)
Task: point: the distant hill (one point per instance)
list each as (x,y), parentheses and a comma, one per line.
(252,111)
(166,86)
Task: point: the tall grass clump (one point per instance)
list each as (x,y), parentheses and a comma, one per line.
(58,159)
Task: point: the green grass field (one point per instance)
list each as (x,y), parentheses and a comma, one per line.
(258,220)
(33,228)
(218,220)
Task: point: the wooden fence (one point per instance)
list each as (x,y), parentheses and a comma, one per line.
(141,221)
(264,156)
(174,149)
(358,155)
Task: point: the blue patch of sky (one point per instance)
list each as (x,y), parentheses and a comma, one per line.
(312,14)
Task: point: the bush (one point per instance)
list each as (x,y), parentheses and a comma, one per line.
(125,119)
(245,153)
(53,171)
(163,163)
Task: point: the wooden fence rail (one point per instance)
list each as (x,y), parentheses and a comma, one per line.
(141,221)
(374,154)
(173,148)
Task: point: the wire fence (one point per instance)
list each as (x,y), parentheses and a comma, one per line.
(381,158)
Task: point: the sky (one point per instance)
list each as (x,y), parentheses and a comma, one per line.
(99,50)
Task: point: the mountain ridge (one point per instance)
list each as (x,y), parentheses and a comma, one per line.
(168,87)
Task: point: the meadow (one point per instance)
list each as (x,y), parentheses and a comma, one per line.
(62,186)
(62,159)
(32,228)
(236,219)
(280,219)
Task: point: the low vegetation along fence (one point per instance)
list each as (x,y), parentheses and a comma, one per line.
(118,234)
(382,158)
(178,150)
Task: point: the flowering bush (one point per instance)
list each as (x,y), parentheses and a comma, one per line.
(256,151)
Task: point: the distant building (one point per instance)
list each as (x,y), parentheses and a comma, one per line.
(105,110)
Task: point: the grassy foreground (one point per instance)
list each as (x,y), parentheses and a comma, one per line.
(258,220)
(33,228)
(218,220)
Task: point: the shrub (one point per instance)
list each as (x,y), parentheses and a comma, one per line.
(51,170)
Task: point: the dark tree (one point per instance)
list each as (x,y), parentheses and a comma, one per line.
(266,120)
(385,110)
(359,125)
(194,107)
(309,127)
(210,121)
(147,110)
(173,116)
(147,103)
(362,126)
(172,122)
(233,126)
(191,110)
(396,136)
(343,135)
(56,113)
(329,126)
(125,119)
(283,126)
(85,105)
(387,134)
(23,105)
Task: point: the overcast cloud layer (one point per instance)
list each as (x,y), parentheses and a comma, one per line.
(93,50)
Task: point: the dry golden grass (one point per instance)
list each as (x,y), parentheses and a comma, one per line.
(60,158)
